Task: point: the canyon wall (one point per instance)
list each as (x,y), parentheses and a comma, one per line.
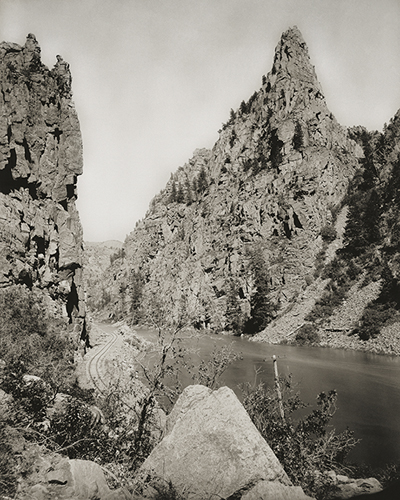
(270,184)
(40,160)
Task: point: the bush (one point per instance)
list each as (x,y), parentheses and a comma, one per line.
(209,372)
(16,459)
(374,318)
(72,430)
(303,446)
(328,233)
(8,465)
(307,335)
(32,342)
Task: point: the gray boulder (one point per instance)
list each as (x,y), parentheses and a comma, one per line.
(211,449)
(59,478)
(345,488)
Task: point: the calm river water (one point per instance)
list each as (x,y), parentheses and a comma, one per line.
(368,386)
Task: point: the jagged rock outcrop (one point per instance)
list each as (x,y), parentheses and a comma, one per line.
(211,449)
(269,185)
(40,159)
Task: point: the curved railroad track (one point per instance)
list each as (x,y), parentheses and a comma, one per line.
(93,365)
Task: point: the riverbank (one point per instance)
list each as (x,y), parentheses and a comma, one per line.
(335,331)
(386,343)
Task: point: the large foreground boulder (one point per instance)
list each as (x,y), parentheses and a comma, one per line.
(212,450)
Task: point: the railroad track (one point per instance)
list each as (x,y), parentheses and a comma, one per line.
(93,371)
(92,367)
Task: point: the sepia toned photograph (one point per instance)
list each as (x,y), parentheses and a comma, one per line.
(199,249)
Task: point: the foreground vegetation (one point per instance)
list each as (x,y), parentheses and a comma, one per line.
(119,426)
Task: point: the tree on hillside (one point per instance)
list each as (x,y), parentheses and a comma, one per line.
(363,223)
(243,108)
(234,315)
(136,287)
(172,197)
(261,309)
(202,183)
(188,192)
(180,194)
(194,188)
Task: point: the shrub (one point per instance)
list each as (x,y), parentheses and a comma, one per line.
(72,430)
(307,335)
(8,465)
(303,446)
(328,233)
(31,342)
(16,459)
(319,263)
(209,372)
(374,318)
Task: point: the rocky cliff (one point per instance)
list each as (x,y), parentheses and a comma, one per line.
(40,159)
(258,199)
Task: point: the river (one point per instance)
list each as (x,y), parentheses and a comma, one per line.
(368,386)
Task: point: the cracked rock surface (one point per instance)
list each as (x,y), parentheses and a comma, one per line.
(40,160)
(211,449)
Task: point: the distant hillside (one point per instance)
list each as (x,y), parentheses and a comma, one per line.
(97,258)
(105,244)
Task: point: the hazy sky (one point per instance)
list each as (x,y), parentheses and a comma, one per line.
(154,79)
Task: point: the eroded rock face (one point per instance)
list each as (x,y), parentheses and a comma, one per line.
(211,449)
(40,159)
(270,183)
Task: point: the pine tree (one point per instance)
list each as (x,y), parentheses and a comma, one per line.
(180,194)
(137,284)
(194,188)
(189,194)
(261,308)
(202,181)
(172,198)
(234,314)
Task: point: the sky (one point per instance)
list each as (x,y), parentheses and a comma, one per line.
(154,79)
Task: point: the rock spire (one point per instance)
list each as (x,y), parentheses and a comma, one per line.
(260,197)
